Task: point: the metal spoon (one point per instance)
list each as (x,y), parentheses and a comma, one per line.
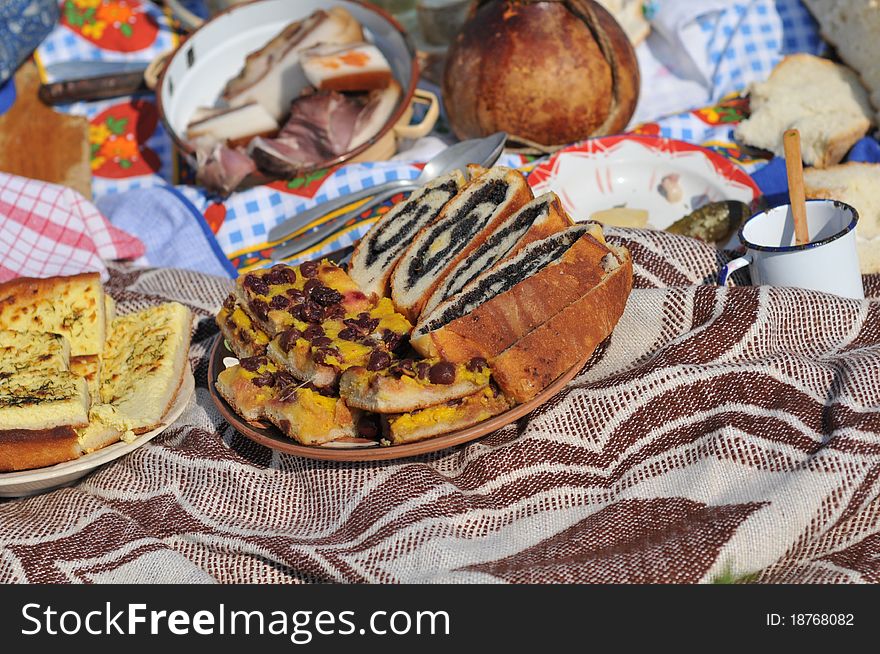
(458,155)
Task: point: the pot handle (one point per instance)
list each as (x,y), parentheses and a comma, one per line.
(430,119)
(731,267)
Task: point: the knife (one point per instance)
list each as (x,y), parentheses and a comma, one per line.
(92,80)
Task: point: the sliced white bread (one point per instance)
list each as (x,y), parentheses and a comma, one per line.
(145,362)
(41,401)
(73,306)
(464,223)
(857,185)
(376,254)
(852,27)
(538,219)
(823,100)
(32,352)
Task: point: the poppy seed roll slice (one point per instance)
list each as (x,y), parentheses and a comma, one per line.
(374,258)
(464,223)
(538,219)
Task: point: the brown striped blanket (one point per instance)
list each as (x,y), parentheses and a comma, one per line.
(720,434)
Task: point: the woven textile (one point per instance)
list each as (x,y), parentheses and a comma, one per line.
(720,433)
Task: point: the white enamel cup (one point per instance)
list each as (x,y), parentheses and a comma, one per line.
(828,263)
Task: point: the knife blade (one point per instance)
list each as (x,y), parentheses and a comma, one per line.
(92,80)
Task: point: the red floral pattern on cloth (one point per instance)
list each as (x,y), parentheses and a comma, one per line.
(116,25)
(118,136)
(719,434)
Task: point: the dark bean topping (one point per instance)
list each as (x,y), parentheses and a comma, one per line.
(249,280)
(313,331)
(367,428)
(391,339)
(312,312)
(288,339)
(477,364)
(379,360)
(322,341)
(260,309)
(442,372)
(279,302)
(295,294)
(252,364)
(362,316)
(266,379)
(349,334)
(297,312)
(283,274)
(284,378)
(325,296)
(311,285)
(229,302)
(334,312)
(288,394)
(407,364)
(422,369)
(309,269)
(323,353)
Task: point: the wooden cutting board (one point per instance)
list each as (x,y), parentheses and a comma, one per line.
(38,142)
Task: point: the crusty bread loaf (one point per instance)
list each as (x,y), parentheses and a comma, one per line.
(22,449)
(535,220)
(534,361)
(823,100)
(504,304)
(72,306)
(463,224)
(145,362)
(852,26)
(408,386)
(376,254)
(443,418)
(857,185)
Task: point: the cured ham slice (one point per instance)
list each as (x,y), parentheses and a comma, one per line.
(272,76)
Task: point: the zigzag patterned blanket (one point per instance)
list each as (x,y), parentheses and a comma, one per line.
(718,435)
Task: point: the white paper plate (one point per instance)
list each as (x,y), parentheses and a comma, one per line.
(40,480)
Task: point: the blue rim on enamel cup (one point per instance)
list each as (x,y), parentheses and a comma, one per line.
(842,206)
(828,263)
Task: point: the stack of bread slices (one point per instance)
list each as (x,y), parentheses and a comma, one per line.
(74,377)
(469,297)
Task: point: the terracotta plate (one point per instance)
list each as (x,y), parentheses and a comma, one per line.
(363,450)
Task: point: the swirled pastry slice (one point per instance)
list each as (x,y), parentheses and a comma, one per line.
(463,224)
(375,256)
(502,305)
(538,219)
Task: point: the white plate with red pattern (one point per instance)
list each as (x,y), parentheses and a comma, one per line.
(636,171)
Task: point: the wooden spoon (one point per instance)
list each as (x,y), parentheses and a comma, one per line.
(794,167)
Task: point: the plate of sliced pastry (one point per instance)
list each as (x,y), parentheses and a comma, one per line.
(466,306)
(79,385)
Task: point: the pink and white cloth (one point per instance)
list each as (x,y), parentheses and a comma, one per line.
(47,229)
